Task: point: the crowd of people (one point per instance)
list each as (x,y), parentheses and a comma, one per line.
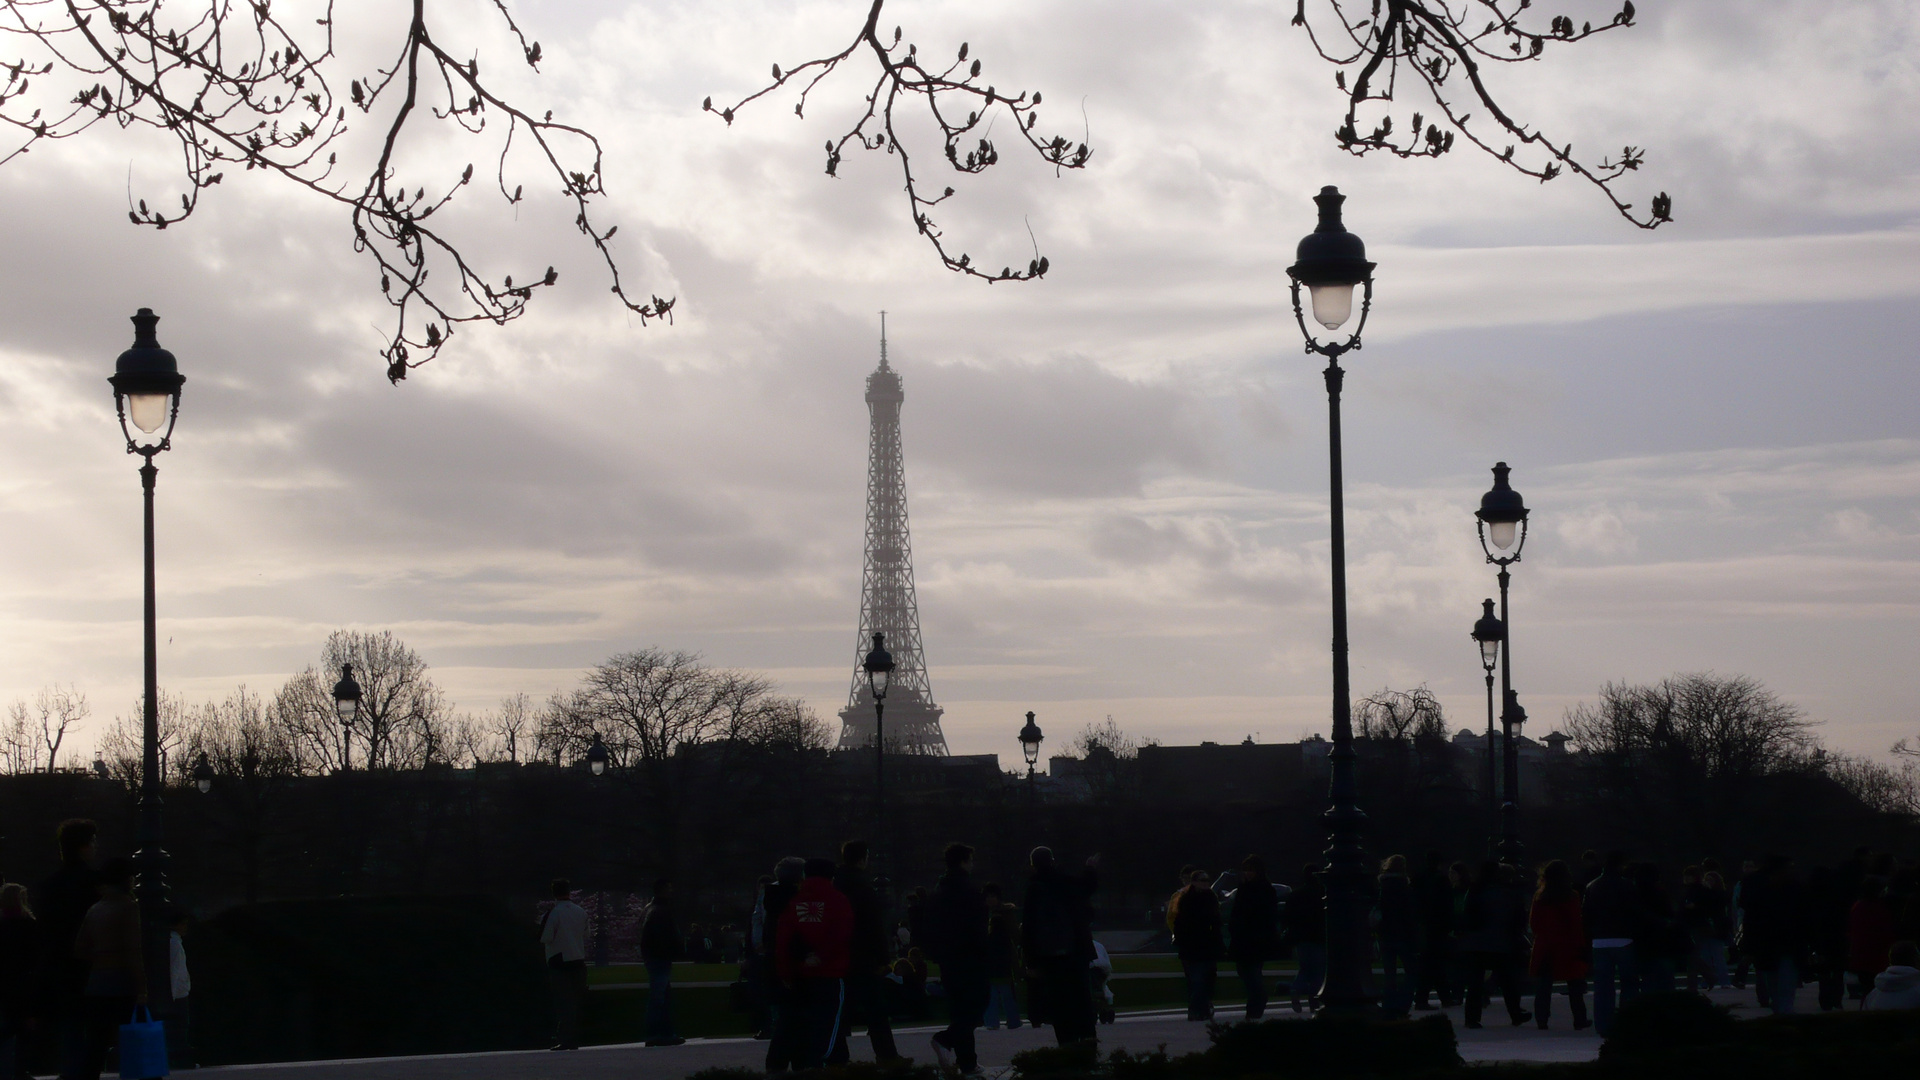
(821,956)
(1451,934)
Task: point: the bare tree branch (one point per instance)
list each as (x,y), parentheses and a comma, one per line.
(945,92)
(236,85)
(1442,47)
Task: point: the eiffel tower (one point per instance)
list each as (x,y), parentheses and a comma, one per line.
(887,601)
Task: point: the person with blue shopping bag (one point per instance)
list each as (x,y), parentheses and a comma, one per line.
(110,946)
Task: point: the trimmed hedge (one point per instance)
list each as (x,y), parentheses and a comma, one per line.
(366,977)
(1684,1043)
(1653,1024)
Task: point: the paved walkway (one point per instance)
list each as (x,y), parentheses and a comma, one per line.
(1137,1032)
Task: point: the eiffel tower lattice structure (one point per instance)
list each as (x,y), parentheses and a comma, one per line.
(888,604)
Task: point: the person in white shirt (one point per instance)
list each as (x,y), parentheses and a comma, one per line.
(179,1030)
(563,933)
(1898,987)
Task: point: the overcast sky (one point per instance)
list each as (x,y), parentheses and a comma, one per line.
(1117,476)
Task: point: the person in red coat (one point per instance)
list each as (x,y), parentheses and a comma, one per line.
(812,947)
(1559,944)
(1870,934)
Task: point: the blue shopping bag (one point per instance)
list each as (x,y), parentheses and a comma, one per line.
(143,1047)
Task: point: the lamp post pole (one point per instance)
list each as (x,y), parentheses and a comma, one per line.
(1502,525)
(879,669)
(1489,631)
(598,758)
(146,392)
(1331,263)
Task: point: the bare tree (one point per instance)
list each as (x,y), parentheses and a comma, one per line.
(1108,738)
(35,730)
(259,86)
(1400,716)
(1717,726)
(646,705)
(1890,789)
(514,726)
(403,721)
(121,746)
(19,749)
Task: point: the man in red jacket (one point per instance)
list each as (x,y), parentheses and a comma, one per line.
(811,951)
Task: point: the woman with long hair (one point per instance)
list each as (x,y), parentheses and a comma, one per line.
(1559,937)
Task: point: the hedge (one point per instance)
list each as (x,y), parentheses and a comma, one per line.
(366,977)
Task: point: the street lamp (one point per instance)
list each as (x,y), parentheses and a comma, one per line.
(346,707)
(1488,631)
(203,773)
(146,384)
(1502,525)
(597,763)
(1331,263)
(879,668)
(1030,744)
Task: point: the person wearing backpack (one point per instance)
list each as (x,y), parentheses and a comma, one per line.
(1057,940)
(1253,931)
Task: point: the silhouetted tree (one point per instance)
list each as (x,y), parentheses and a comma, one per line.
(1690,753)
(35,730)
(403,722)
(120,745)
(1400,715)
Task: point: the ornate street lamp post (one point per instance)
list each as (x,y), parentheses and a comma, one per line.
(1502,524)
(597,758)
(146,392)
(1331,263)
(203,773)
(1488,631)
(1030,738)
(346,708)
(879,669)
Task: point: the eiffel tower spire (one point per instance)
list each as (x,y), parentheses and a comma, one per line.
(888,604)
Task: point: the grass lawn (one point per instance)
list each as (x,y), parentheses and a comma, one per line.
(1149,964)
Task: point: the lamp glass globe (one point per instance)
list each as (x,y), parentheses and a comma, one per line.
(1332,304)
(147,411)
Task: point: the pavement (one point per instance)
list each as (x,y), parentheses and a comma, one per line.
(1137,1032)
